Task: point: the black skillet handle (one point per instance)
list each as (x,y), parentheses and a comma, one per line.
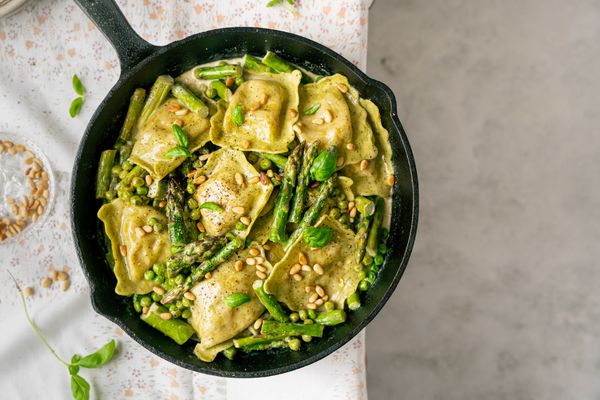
(107,16)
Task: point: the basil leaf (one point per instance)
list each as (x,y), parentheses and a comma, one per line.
(75,107)
(73,367)
(99,357)
(324,165)
(178,152)
(312,110)
(273,3)
(78,86)
(236,299)
(80,389)
(317,237)
(211,206)
(180,136)
(237,116)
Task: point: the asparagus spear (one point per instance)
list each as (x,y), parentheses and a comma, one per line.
(276,159)
(158,93)
(222,90)
(277,63)
(274,328)
(330,318)
(373,238)
(282,206)
(229,352)
(253,63)
(189,100)
(136,104)
(175,215)
(259,343)
(107,158)
(361,237)
(312,214)
(194,253)
(135,171)
(353,301)
(298,203)
(177,329)
(270,302)
(206,266)
(218,72)
(364,206)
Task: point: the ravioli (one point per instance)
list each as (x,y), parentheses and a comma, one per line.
(221,188)
(373,180)
(209,354)
(120,220)
(155,138)
(337,259)
(265,99)
(213,320)
(340,119)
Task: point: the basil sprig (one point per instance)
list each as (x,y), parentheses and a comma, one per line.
(80,388)
(236,299)
(183,144)
(318,237)
(76,104)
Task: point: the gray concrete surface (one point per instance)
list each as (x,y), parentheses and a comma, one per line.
(500,102)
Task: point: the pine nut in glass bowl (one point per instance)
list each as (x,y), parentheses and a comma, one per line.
(26,187)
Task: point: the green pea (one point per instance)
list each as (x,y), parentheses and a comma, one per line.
(110,195)
(137,181)
(159,268)
(312,314)
(294,344)
(361,275)
(302,314)
(374,269)
(195,214)
(344,219)
(371,276)
(179,279)
(125,195)
(190,188)
(265,164)
(127,165)
(156,297)
(378,259)
(382,249)
(186,313)
(239,81)
(137,307)
(210,93)
(252,158)
(240,226)
(306,338)
(179,305)
(173,308)
(136,200)
(334,213)
(176,313)
(363,285)
(122,174)
(149,275)
(141,190)
(116,170)
(146,301)
(294,317)
(186,302)
(159,279)
(343,205)
(329,305)
(157,227)
(384,233)
(192,204)
(308,322)
(367,260)
(167,284)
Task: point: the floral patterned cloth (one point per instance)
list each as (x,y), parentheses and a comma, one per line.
(41,47)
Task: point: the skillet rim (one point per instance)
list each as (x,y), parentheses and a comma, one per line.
(390,287)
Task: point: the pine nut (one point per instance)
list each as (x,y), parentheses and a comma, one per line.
(351,205)
(149,180)
(318,121)
(62,276)
(173,107)
(250,261)
(178,122)
(302,258)
(28,291)
(257,324)
(390,180)
(147,228)
(306,268)
(162,204)
(189,295)
(261,268)
(352,213)
(325,298)
(319,302)
(320,291)
(311,306)
(46,282)
(246,143)
(165,316)
(182,112)
(199,180)
(313,297)
(254,252)
(261,275)
(239,210)
(351,146)
(342,88)
(264,99)
(201,227)
(318,269)
(293,113)
(123,250)
(145,310)
(139,231)
(259,260)
(239,179)
(208,275)
(239,265)
(364,164)
(190,174)
(295,269)
(297,277)
(327,116)
(340,161)
(254,179)
(245,220)
(158,290)
(266,247)
(297,129)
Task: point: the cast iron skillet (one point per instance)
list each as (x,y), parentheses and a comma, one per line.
(141,63)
